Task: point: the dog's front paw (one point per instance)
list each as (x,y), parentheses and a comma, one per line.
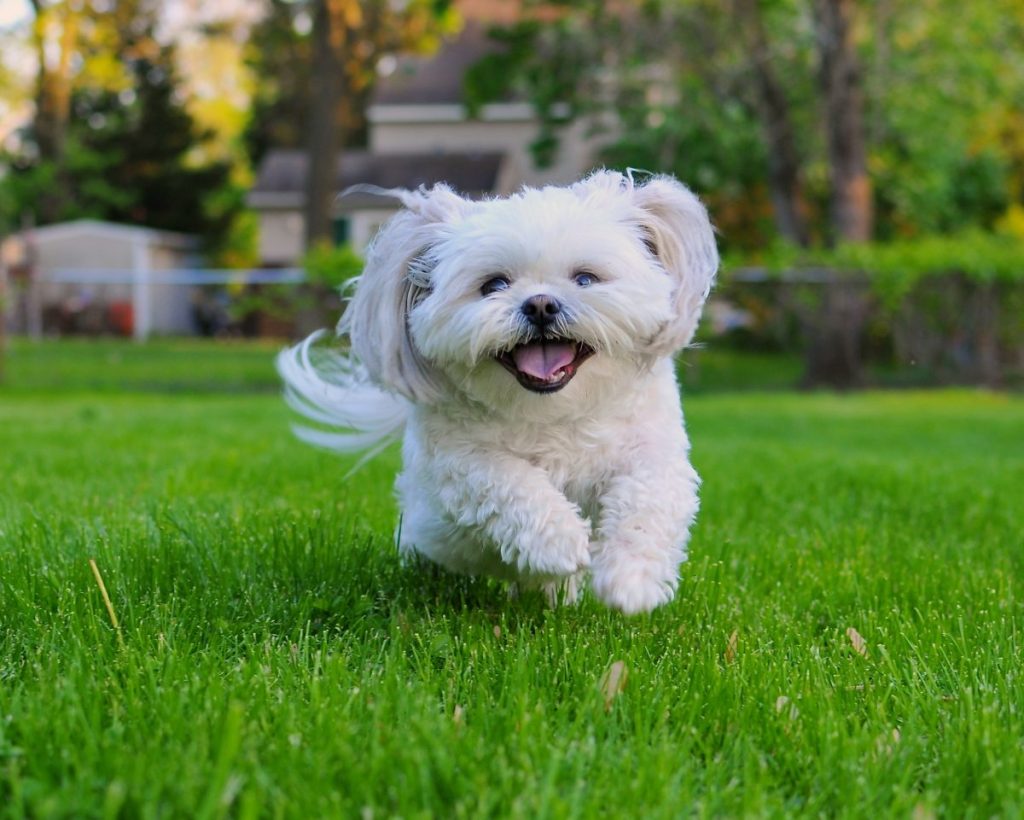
(633,585)
(554,556)
(561,560)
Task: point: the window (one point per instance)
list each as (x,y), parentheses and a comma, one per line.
(340,230)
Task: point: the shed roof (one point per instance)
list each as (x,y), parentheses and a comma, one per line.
(114,231)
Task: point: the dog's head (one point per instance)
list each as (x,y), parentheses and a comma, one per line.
(527,294)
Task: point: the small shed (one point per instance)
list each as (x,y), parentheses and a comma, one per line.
(123,276)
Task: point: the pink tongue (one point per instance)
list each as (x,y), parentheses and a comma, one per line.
(543,359)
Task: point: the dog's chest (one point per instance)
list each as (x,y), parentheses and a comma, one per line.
(579,459)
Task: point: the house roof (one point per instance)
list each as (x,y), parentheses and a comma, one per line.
(436,78)
(280,182)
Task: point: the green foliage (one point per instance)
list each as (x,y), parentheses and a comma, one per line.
(331,266)
(943,102)
(132,149)
(938,159)
(328,270)
(279,659)
(236,243)
(280,58)
(896,266)
(935,309)
(714,148)
(893,268)
(541,62)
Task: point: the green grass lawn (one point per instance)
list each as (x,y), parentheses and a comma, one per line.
(278,661)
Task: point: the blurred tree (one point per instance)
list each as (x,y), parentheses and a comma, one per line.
(782,151)
(349,37)
(58,25)
(946,100)
(75,46)
(211,44)
(56,39)
(843,108)
(560,62)
(333,22)
(279,57)
(316,61)
(692,86)
(123,146)
(845,120)
(142,141)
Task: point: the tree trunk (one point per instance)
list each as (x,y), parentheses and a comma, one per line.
(784,176)
(3,313)
(833,316)
(987,366)
(53,94)
(324,140)
(843,95)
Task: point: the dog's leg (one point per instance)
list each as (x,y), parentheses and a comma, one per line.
(565,591)
(515,506)
(644,527)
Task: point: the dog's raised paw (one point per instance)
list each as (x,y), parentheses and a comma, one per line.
(561,565)
(633,589)
(556,558)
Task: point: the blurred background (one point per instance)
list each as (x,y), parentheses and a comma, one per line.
(171,170)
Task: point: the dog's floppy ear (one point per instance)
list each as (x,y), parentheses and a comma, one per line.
(396,278)
(678,232)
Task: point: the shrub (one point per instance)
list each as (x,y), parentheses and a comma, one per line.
(893,268)
(331,266)
(948,306)
(296,310)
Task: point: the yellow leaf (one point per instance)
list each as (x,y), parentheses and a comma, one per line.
(613,681)
(860,646)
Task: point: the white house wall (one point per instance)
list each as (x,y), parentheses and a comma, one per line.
(281,236)
(364,224)
(282,233)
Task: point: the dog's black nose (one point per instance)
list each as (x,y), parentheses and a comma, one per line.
(541,310)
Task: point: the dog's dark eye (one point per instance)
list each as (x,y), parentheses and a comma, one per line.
(494,285)
(648,239)
(585,278)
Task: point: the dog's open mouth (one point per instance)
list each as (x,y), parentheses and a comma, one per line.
(545,365)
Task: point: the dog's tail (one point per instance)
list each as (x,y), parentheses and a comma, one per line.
(331,388)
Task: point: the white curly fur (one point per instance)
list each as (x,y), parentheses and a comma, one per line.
(544,489)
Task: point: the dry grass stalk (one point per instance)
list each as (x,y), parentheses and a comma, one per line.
(732,646)
(107,602)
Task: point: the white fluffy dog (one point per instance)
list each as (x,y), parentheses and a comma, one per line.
(525,345)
